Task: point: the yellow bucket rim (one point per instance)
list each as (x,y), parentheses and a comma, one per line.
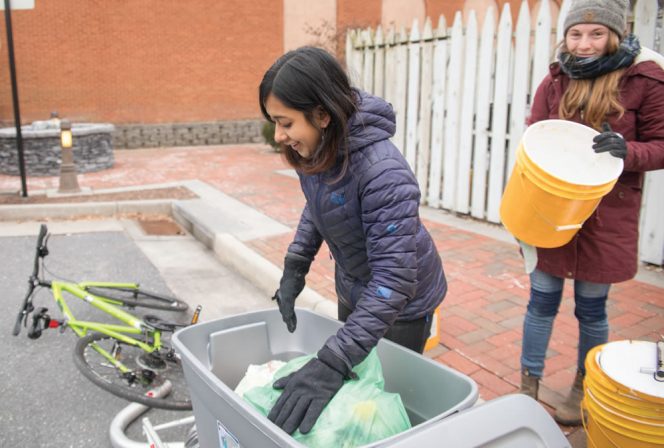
(593,367)
(595,376)
(569,125)
(615,404)
(558,186)
(624,403)
(626,423)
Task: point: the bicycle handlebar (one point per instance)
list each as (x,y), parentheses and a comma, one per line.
(27,306)
(41,250)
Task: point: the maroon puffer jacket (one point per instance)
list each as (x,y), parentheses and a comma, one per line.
(606,249)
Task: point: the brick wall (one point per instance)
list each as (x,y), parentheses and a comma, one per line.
(436,8)
(147,61)
(162,71)
(354,14)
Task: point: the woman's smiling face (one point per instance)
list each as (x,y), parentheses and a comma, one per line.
(293,129)
(587,39)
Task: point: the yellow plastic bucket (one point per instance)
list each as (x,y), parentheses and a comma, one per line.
(623,403)
(434,334)
(556,183)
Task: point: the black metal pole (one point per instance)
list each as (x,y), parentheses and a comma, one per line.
(17,113)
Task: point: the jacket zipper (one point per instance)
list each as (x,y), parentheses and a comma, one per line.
(319,217)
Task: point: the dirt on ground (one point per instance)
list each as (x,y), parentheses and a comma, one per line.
(160,225)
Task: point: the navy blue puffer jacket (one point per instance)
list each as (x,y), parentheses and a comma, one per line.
(386,264)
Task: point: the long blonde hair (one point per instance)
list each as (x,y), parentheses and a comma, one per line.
(595,98)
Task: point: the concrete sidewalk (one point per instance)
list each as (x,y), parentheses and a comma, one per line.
(41,372)
(249,204)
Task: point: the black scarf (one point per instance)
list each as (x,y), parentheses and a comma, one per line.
(595,66)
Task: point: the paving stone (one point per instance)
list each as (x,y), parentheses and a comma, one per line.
(482,263)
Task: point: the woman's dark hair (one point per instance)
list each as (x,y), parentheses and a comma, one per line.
(307,79)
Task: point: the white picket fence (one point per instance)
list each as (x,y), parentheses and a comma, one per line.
(462,94)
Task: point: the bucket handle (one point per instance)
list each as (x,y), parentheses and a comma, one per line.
(558,228)
(567,227)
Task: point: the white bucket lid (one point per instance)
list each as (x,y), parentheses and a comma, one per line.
(563,149)
(623,362)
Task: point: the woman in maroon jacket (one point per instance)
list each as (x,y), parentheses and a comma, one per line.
(605,80)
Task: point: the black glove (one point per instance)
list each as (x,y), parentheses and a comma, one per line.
(291,285)
(307,391)
(610,141)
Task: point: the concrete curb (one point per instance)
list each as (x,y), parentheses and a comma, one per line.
(68,210)
(191,225)
(229,248)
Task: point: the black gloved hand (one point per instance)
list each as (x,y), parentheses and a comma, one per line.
(291,285)
(610,141)
(307,392)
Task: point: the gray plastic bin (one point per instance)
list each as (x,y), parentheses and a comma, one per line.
(215,356)
(512,421)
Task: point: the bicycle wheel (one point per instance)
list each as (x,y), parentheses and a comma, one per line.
(148,371)
(132,297)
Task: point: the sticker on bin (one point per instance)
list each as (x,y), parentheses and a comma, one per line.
(226,439)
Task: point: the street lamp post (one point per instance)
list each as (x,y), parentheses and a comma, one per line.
(15,102)
(68,179)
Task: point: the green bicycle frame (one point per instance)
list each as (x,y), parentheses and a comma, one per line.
(132,324)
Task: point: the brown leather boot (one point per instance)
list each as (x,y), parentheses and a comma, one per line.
(569,412)
(529,385)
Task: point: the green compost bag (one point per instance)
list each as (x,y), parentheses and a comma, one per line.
(359,414)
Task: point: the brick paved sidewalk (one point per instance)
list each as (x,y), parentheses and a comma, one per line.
(482,315)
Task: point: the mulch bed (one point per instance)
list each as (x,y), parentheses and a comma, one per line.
(160,226)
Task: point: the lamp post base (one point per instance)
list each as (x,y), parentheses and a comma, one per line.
(54,193)
(68,179)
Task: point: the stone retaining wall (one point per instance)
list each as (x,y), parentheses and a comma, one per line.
(92,150)
(132,136)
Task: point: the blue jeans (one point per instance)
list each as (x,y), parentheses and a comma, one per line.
(546,292)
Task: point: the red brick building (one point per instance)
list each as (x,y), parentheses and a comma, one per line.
(149,62)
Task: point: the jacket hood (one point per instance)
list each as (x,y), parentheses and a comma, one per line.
(373,121)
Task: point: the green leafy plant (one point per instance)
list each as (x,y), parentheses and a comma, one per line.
(268,135)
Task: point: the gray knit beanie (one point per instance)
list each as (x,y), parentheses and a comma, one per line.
(612,13)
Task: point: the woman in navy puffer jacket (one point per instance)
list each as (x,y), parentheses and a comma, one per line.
(361,199)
